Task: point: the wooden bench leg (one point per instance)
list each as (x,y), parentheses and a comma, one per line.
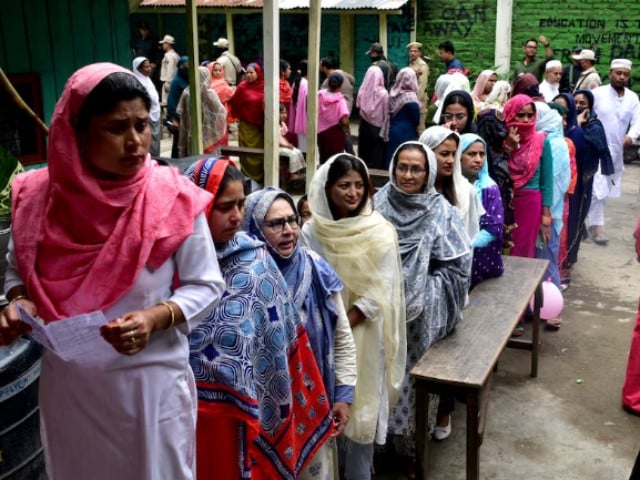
(421,440)
(473,440)
(535,334)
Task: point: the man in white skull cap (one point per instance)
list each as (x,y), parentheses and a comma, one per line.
(618,108)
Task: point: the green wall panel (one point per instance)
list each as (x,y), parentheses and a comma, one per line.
(56,37)
(37,30)
(15,38)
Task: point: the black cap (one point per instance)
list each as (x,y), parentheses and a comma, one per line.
(375,47)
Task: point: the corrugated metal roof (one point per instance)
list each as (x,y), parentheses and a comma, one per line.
(284,4)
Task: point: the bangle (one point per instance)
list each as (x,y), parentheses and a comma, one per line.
(173,316)
(19,297)
(547,45)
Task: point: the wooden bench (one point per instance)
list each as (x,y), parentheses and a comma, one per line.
(461,364)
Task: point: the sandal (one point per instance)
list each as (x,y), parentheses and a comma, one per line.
(518,331)
(600,239)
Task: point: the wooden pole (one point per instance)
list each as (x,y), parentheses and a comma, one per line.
(271,32)
(195,104)
(15,96)
(315,20)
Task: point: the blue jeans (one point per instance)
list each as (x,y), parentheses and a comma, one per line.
(550,252)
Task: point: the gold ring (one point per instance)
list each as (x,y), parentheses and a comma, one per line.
(133,340)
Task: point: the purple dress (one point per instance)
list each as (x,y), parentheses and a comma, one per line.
(487,261)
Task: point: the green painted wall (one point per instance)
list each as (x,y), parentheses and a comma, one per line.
(56,37)
(611,29)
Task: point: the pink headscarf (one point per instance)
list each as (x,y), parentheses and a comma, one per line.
(481,83)
(523,162)
(373,97)
(80,241)
(404,91)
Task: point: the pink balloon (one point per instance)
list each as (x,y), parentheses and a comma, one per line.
(552,301)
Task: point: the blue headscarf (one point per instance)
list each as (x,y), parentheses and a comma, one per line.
(550,122)
(311,281)
(484,180)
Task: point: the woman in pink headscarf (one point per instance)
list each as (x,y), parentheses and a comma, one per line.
(372,101)
(104,228)
(531,169)
(484,84)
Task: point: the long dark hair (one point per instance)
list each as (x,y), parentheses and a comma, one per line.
(460,97)
(448,187)
(114,88)
(301,72)
(342,165)
(231,174)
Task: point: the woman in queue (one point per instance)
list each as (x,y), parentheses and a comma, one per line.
(436,265)
(333,119)
(271,217)
(449,180)
(219,85)
(484,84)
(372,102)
(487,244)
(88,234)
(531,169)
(262,409)
(214,118)
(458,112)
(247,105)
(401,121)
(362,247)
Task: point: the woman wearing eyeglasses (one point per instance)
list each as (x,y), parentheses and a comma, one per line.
(363,249)
(436,265)
(458,112)
(262,410)
(315,288)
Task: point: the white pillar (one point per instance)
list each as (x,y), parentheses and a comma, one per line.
(504,17)
(315,19)
(195,103)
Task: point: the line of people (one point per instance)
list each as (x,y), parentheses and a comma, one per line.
(284,339)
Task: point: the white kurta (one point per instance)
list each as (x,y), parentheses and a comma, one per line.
(620,116)
(372,411)
(118,417)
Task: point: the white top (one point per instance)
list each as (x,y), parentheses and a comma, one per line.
(131,417)
(549,90)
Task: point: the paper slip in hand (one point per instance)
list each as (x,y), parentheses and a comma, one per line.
(68,338)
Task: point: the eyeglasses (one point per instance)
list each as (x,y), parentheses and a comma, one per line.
(532,46)
(277,224)
(450,116)
(402,168)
